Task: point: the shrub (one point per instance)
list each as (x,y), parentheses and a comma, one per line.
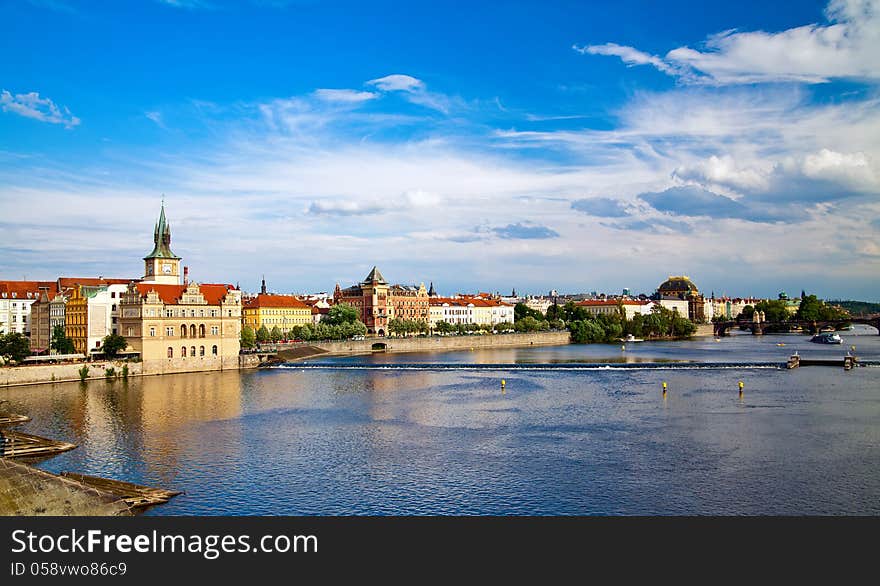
(84,372)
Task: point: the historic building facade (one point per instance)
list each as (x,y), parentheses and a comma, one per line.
(681,288)
(281,311)
(377,302)
(179,328)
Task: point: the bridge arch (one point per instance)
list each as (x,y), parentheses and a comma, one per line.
(379,347)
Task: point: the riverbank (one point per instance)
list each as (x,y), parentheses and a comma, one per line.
(423,344)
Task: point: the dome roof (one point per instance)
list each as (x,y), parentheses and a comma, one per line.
(680,284)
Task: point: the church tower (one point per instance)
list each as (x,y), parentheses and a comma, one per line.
(162,266)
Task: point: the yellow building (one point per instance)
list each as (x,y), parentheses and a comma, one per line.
(76,324)
(283,311)
(179,328)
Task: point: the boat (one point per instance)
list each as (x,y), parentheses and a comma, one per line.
(631,338)
(827,338)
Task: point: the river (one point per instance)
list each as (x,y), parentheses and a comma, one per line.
(576,430)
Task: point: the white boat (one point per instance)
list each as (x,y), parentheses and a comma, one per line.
(827,338)
(631,338)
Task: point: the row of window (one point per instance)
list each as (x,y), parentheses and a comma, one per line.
(192,351)
(192,331)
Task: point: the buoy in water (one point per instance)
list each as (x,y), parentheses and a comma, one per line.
(741,385)
(664,388)
(623,347)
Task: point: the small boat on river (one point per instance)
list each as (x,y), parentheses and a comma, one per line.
(631,338)
(827,338)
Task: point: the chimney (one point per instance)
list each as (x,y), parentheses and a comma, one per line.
(185,275)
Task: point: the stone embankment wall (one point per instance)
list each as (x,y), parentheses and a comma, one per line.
(440,343)
(25,490)
(47,373)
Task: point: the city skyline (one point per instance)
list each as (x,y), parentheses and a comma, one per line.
(539,147)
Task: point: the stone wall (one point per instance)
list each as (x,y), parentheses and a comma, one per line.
(25,490)
(190,364)
(440,343)
(47,373)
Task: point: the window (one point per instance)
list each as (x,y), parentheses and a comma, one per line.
(182,331)
(201,350)
(214,350)
(201,313)
(169,331)
(202,330)
(169,313)
(192,329)
(183,351)
(213,313)
(192,312)
(113,307)
(192,351)
(152,332)
(130,332)
(215,330)
(170,352)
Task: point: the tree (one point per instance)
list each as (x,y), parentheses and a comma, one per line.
(521,311)
(275,335)
(61,343)
(340,313)
(747,314)
(113,345)
(15,346)
(774,310)
(248,338)
(262,334)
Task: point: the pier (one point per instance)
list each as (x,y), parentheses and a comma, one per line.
(847,362)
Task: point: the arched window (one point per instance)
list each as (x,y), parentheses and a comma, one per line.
(201,350)
(192,331)
(183,351)
(182,331)
(214,350)
(192,351)
(202,330)
(170,352)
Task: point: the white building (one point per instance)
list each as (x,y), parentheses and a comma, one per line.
(469,310)
(16,298)
(631,307)
(679,305)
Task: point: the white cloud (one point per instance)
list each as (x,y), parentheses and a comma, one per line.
(156,117)
(31,105)
(344,95)
(847,46)
(628,55)
(398,83)
(414,90)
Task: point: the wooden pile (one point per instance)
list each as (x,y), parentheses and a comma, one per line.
(16,444)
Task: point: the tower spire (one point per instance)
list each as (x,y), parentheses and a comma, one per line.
(263,287)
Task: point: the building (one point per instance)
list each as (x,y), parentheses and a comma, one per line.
(469,310)
(681,288)
(630,307)
(377,302)
(92,313)
(281,311)
(41,331)
(16,298)
(174,327)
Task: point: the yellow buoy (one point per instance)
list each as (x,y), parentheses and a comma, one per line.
(623,347)
(664,388)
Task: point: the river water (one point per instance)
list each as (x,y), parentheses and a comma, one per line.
(577,430)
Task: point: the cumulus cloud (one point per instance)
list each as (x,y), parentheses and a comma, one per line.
(602,207)
(31,105)
(847,45)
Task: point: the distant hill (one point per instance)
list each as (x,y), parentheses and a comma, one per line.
(856,308)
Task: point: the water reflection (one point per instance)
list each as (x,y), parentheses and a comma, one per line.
(297,441)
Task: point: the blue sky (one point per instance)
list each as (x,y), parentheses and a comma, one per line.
(568,145)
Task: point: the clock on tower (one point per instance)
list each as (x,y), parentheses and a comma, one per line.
(161,265)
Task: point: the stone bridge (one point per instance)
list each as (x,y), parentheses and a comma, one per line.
(759,327)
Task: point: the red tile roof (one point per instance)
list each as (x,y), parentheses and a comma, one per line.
(20,289)
(65,282)
(171,294)
(266,300)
